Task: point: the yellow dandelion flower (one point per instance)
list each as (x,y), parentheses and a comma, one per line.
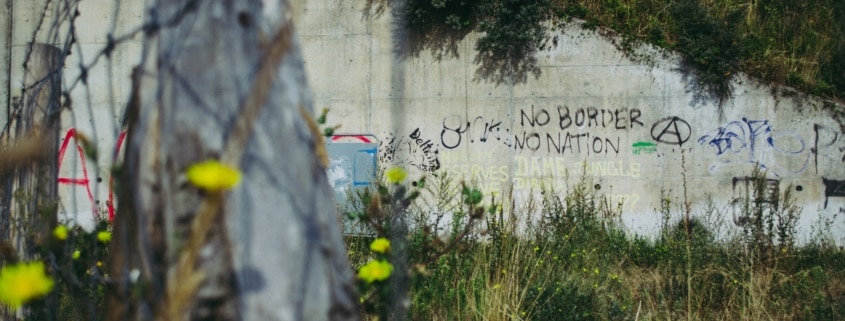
(104,236)
(213,176)
(395,175)
(375,271)
(60,232)
(380,245)
(23,282)
(76,254)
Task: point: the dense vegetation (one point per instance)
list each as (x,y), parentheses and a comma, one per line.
(567,257)
(796,43)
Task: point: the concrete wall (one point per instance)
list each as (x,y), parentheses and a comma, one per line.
(96,105)
(641,132)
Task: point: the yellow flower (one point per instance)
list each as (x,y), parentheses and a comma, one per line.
(23,282)
(76,254)
(60,232)
(104,236)
(395,175)
(380,245)
(212,175)
(375,271)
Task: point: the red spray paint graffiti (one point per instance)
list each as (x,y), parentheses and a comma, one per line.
(362,138)
(84,180)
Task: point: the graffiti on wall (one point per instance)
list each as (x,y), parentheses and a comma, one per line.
(456,131)
(743,187)
(488,178)
(84,181)
(833,188)
(628,201)
(551,172)
(560,130)
(539,173)
(412,150)
(756,142)
(671,130)
(639,148)
(828,144)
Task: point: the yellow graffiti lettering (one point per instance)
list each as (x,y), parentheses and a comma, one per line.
(521,166)
(597,169)
(541,166)
(536,170)
(561,167)
(628,201)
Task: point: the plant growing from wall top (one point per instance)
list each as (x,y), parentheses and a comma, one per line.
(781,41)
(710,46)
(511,31)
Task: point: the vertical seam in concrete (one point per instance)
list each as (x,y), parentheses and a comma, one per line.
(369,106)
(467,54)
(9,25)
(664,106)
(466,80)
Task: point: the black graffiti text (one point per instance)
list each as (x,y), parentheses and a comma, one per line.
(565,142)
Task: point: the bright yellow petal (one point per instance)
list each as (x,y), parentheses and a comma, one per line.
(104,236)
(60,232)
(213,176)
(23,282)
(395,175)
(380,245)
(375,271)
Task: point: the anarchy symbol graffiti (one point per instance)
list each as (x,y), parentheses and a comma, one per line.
(671,130)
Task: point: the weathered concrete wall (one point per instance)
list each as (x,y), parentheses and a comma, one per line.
(641,132)
(96,105)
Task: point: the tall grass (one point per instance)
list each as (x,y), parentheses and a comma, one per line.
(576,262)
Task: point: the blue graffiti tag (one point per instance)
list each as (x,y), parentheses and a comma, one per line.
(756,142)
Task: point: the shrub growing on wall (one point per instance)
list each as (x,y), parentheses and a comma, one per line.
(711,46)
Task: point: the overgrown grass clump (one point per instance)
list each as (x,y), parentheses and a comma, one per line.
(566,256)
